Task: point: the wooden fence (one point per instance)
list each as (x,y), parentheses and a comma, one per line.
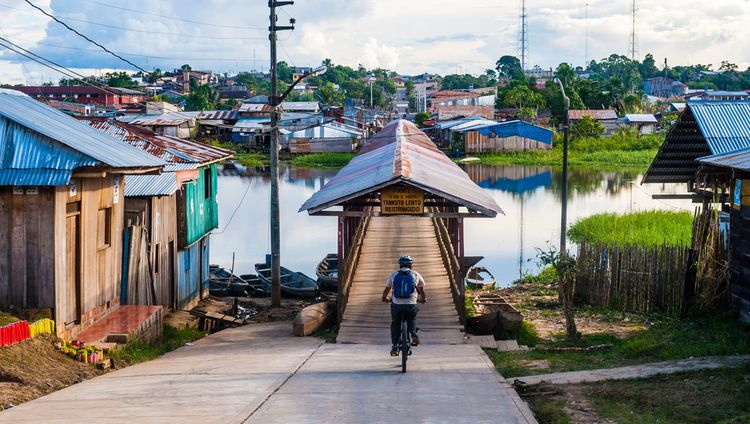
(642,280)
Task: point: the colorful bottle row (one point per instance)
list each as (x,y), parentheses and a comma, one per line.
(22,330)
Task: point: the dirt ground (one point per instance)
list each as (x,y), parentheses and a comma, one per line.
(539,305)
(20,365)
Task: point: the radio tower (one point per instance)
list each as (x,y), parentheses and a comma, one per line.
(633,49)
(523,38)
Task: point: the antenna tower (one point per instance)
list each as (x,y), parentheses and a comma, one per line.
(633,49)
(523,37)
(586,59)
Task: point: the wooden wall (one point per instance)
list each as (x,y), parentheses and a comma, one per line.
(27,254)
(99,264)
(162,232)
(478,143)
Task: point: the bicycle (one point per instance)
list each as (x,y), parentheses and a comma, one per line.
(404,342)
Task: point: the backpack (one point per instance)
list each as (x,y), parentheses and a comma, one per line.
(404,284)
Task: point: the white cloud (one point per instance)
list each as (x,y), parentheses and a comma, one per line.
(410,36)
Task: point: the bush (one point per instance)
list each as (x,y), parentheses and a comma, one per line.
(644,229)
(586,127)
(545,277)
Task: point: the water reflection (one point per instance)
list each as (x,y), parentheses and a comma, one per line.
(530,197)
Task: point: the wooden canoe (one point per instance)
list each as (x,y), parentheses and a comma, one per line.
(327,272)
(294,284)
(313,318)
(495,317)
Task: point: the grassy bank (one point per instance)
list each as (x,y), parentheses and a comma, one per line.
(135,352)
(716,396)
(322,160)
(662,341)
(644,229)
(622,149)
(6,319)
(252,160)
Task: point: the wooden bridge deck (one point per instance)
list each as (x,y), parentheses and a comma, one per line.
(367,319)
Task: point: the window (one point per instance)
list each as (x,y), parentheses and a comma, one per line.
(104,228)
(207,183)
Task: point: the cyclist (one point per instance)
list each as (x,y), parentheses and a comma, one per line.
(408,289)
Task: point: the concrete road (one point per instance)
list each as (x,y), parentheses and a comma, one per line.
(260,374)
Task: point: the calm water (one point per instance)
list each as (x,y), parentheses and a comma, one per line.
(530,197)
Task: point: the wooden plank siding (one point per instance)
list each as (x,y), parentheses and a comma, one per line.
(478,143)
(26,255)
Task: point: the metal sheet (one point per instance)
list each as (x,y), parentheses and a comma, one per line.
(61,128)
(34,177)
(402,153)
(221,115)
(605,114)
(725,125)
(166,119)
(151,185)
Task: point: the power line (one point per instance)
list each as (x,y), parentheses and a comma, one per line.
(46,62)
(177,19)
(86,38)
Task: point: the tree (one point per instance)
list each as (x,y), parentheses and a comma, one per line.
(330,95)
(420,118)
(648,67)
(186,67)
(120,79)
(201,98)
(526,100)
(586,127)
(566,268)
(509,67)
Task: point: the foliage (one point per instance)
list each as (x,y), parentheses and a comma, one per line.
(527,334)
(566,268)
(643,229)
(466,81)
(420,118)
(120,79)
(201,98)
(330,95)
(137,351)
(6,319)
(469,309)
(322,160)
(252,160)
(546,276)
(509,68)
(586,127)
(666,339)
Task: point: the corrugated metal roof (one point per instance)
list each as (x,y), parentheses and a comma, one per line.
(604,114)
(221,115)
(739,159)
(166,119)
(249,124)
(170,149)
(327,130)
(151,185)
(724,125)
(402,153)
(255,107)
(173,167)
(641,118)
(473,125)
(34,177)
(309,106)
(60,127)
(518,128)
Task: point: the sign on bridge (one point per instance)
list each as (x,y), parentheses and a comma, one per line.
(401,200)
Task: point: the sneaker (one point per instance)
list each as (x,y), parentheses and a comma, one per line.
(414,340)
(394,350)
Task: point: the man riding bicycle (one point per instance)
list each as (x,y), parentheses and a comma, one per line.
(408,289)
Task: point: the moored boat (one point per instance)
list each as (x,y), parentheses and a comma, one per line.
(223,283)
(294,284)
(327,272)
(479,277)
(494,316)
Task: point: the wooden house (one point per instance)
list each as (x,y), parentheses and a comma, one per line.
(61,212)
(169,218)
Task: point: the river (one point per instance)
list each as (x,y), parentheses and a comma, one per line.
(530,197)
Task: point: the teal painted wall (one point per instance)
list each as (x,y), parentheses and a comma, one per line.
(201,208)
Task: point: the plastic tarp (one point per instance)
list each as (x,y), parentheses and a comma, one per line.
(518,129)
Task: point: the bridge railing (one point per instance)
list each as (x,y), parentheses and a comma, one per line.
(346,274)
(452,265)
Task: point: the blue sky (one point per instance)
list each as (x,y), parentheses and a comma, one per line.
(414,36)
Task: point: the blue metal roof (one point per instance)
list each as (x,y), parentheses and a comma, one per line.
(724,125)
(520,129)
(151,185)
(57,126)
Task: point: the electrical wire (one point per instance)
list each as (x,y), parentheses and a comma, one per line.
(178,19)
(247,190)
(85,37)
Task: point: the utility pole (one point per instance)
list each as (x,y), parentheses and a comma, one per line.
(274,102)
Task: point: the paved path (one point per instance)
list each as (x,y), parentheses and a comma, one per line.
(387,238)
(638,371)
(260,374)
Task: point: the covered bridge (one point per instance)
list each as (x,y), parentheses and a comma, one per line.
(400,195)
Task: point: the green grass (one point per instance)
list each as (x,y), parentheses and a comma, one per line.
(545,277)
(645,229)
(469,309)
(666,340)
(717,396)
(252,160)
(622,149)
(6,319)
(135,352)
(322,160)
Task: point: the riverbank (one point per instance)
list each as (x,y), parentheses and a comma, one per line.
(322,160)
(643,229)
(621,149)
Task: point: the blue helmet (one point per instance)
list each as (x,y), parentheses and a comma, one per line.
(405,261)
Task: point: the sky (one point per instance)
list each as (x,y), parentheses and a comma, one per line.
(409,36)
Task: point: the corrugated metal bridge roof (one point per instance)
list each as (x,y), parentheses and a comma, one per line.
(402,153)
(63,129)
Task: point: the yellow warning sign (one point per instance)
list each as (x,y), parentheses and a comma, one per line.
(401,201)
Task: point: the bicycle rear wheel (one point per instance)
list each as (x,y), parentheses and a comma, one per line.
(404,345)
